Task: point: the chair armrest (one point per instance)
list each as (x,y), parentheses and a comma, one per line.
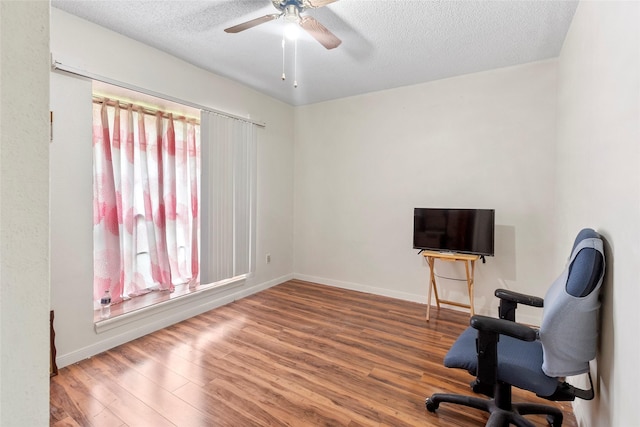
(503,327)
(507,295)
(489,331)
(509,301)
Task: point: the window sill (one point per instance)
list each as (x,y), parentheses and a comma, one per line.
(169,302)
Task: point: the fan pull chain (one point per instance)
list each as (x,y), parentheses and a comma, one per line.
(283,42)
(295,60)
(295,63)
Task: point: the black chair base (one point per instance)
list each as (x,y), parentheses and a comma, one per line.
(500,417)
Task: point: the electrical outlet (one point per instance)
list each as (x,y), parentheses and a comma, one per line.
(268,258)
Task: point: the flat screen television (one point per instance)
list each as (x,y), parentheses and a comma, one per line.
(468,231)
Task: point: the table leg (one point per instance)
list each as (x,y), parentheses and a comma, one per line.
(470,279)
(432,285)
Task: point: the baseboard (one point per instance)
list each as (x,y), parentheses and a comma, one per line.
(419,298)
(182,309)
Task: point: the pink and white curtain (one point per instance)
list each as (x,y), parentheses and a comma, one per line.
(146,210)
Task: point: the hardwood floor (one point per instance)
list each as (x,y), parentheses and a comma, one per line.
(298,354)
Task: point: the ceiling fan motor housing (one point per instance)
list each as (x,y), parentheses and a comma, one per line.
(287,6)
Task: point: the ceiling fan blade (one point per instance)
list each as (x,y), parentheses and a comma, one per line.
(319,32)
(252,23)
(313,4)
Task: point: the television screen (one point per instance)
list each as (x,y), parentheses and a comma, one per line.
(469,231)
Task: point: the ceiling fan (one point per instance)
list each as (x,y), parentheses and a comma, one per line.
(291,11)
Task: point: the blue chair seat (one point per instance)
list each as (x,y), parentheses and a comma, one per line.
(519,363)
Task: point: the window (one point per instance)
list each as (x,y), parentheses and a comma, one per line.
(157,225)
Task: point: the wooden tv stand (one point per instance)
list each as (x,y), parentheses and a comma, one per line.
(468,260)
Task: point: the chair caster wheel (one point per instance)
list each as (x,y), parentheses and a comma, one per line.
(431,405)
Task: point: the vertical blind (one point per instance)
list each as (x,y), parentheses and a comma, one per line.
(228,195)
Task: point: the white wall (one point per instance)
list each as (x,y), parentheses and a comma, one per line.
(599,186)
(106,53)
(363,163)
(24,218)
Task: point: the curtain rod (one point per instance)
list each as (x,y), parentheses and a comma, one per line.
(72,70)
(141,108)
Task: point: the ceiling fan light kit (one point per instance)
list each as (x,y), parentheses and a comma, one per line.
(290,11)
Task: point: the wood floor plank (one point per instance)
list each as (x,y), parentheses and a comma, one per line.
(215,401)
(152,369)
(176,359)
(66,422)
(295,387)
(62,409)
(297,354)
(127,407)
(160,400)
(76,399)
(302,396)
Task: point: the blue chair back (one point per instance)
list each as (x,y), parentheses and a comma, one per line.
(569,330)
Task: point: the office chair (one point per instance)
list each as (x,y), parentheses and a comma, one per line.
(502,353)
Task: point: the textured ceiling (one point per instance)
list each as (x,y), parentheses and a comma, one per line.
(385,44)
